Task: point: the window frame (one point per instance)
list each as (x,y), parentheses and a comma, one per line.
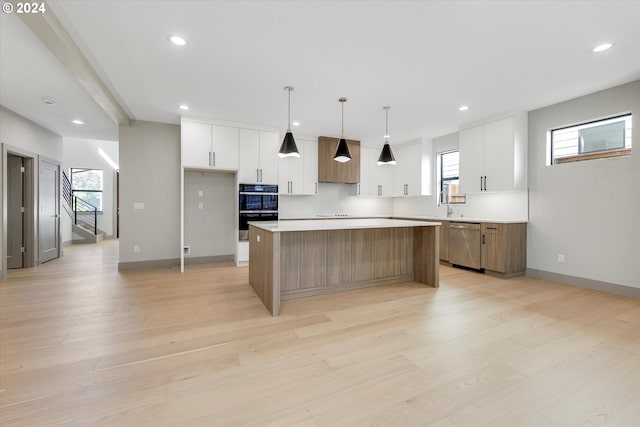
(99,209)
(591,155)
(440,171)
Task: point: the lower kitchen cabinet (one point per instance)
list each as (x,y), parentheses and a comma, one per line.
(444,240)
(504,249)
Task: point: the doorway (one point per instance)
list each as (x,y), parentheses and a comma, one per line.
(15,212)
(20,205)
(49,218)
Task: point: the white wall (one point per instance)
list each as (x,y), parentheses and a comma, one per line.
(83,153)
(211,229)
(26,138)
(333,199)
(150,174)
(26,135)
(590,210)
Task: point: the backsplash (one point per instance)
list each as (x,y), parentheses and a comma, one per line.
(502,205)
(333,199)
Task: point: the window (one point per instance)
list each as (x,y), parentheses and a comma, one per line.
(86,184)
(609,137)
(448,175)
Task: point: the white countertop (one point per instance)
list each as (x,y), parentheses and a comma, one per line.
(465,219)
(337,224)
(410,217)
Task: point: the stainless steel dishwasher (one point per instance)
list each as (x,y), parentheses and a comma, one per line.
(464,244)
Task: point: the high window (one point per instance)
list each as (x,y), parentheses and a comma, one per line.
(86,184)
(448,175)
(610,137)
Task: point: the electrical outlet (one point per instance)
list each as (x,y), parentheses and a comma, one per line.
(136,248)
(561,258)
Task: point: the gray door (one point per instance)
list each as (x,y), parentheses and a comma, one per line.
(49,200)
(15,215)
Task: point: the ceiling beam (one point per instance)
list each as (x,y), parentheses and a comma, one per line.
(48,28)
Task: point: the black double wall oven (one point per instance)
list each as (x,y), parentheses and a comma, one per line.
(256,203)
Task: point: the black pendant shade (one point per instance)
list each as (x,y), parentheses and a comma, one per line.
(386,156)
(288,147)
(342,152)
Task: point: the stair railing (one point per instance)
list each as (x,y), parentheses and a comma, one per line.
(88,214)
(66,189)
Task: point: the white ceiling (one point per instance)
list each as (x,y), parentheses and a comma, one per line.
(424,59)
(29,73)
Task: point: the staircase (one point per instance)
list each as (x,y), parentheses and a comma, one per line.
(84,215)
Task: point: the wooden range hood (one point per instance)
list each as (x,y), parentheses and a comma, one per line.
(331,171)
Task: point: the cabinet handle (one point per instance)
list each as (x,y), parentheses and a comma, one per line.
(316,188)
(210,163)
(358,189)
(492,228)
(214,158)
(485,183)
(260,175)
(257,175)
(480,182)
(483,239)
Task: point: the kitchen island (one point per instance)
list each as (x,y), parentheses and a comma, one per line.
(292,259)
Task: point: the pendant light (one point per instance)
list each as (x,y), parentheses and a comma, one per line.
(342,154)
(288,147)
(386,156)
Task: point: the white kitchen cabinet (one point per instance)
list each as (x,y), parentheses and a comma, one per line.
(375,180)
(487,157)
(407,173)
(258,157)
(299,175)
(206,146)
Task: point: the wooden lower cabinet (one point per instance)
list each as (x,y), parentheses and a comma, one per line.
(504,249)
(444,240)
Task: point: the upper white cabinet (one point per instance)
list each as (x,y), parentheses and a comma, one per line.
(299,175)
(375,180)
(407,173)
(492,157)
(258,157)
(207,146)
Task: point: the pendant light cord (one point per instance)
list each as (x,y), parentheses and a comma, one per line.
(289,110)
(386,131)
(342,102)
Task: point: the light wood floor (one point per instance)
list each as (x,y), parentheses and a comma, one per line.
(84,345)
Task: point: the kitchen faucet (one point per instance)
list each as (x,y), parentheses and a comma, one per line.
(445,195)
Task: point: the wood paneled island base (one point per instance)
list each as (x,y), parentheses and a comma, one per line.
(292,259)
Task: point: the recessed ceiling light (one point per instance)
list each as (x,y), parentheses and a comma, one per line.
(184,107)
(463,108)
(296,123)
(179,41)
(49,102)
(77,122)
(602,47)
